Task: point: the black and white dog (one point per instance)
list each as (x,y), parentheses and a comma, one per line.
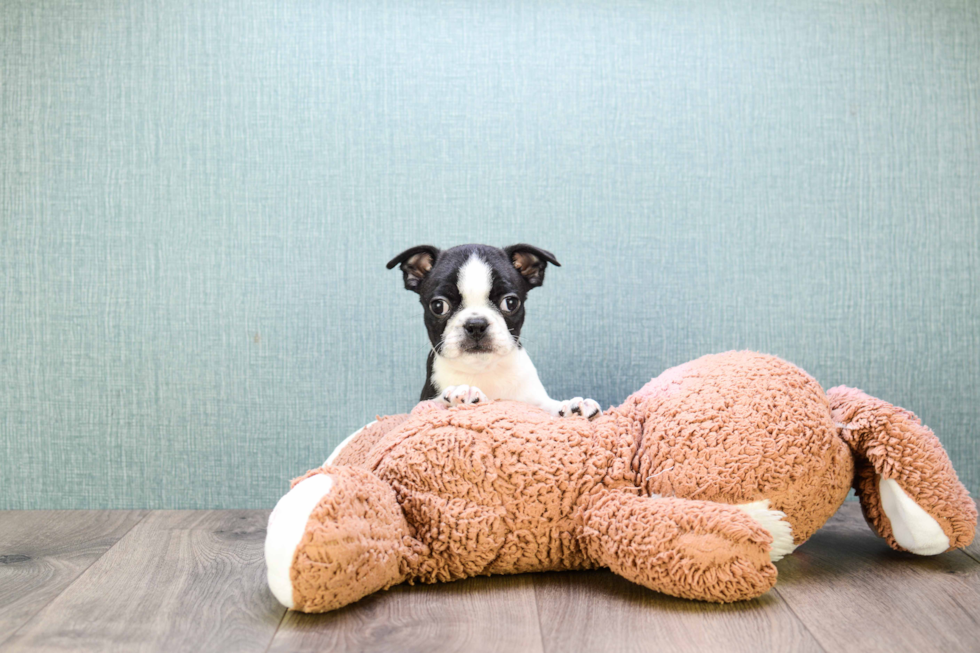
(473,296)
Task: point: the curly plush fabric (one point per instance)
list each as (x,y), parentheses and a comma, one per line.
(892,443)
(685,488)
(739,428)
(356,542)
(356,451)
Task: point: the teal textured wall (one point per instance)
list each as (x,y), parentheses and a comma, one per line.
(198,199)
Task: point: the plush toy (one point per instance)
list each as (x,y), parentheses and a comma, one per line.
(692,487)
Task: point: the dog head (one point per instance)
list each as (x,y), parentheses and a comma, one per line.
(473,295)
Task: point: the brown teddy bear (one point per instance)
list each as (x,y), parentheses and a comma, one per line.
(692,487)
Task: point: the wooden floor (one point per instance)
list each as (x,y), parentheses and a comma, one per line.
(195,581)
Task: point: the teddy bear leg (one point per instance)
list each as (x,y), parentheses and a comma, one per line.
(335,537)
(909,492)
(692,549)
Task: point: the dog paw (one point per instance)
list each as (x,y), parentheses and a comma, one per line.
(588,408)
(456,395)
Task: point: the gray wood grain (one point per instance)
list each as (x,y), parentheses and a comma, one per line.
(973,550)
(477,614)
(599,611)
(177,581)
(42,552)
(196,581)
(856,594)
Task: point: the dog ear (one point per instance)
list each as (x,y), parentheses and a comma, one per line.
(415,263)
(531,261)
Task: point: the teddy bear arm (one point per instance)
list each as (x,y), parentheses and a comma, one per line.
(910,494)
(690,549)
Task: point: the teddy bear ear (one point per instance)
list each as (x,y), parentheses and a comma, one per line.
(531,262)
(415,263)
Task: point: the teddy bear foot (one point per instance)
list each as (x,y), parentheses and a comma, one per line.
(337,536)
(287,524)
(912,527)
(909,492)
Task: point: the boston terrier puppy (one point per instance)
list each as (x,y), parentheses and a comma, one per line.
(473,297)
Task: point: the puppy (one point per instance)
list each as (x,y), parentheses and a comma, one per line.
(473,297)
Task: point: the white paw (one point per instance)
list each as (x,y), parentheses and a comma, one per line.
(588,408)
(775,522)
(455,395)
(913,528)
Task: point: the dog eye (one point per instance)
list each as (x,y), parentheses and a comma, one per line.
(439,306)
(509,304)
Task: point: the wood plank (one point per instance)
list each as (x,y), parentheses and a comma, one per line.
(854,593)
(43,551)
(599,611)
(178,581)
(477,614)
(974,549)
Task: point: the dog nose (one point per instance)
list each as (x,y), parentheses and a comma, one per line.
(476,327)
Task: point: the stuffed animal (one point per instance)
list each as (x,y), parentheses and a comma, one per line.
(693,487)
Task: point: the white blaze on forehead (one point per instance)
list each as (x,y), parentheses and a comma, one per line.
(474,282)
